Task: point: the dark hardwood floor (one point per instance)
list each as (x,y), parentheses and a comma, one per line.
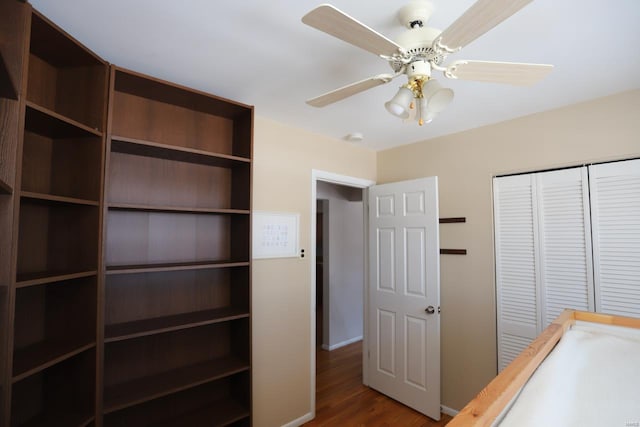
(342,400)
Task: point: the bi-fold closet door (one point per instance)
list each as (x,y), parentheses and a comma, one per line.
(615,218)
(543,253)
(565,239)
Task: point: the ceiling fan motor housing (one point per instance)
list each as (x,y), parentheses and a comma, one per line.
(417,43)
(419,68)
(417,12)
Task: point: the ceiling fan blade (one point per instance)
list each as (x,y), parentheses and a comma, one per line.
(349,90)
(477,20)
(514,73)
(338,24)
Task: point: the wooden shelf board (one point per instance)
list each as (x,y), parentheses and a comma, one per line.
(141,390)
(57,199)
(453,220)
(42,278)
(453,251)
(176,209)
(159,325)
(5,188)
(7,88)
(221,412)
(62,417)
(180,266)
(40,356)
(46,122)
(141,147)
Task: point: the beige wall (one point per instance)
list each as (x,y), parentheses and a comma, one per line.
(608,128)
(283,160)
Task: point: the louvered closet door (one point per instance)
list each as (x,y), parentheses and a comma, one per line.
(564,236)
(543,253)
(518,299)
(615,212)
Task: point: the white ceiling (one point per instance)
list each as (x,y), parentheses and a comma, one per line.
(259,52)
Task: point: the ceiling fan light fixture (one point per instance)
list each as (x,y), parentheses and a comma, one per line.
(400,103)
(437,96)
(429,116)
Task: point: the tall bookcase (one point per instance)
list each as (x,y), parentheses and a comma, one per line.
(53,321)
(177,256)
(13,24)
(125,207)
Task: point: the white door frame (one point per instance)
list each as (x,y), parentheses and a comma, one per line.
(333,178)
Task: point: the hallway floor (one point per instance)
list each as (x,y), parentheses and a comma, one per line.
(342,400)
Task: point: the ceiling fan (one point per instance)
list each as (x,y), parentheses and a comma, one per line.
(420,50)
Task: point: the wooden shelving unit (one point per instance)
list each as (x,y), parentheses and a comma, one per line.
(13,36)
(54,342)
(125,268)
(177,250)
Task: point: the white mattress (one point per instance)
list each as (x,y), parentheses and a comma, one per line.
(591,378)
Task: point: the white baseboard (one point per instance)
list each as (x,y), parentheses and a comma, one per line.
(299,421)
(448,411)
(341,344)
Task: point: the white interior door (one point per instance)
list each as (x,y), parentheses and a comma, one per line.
(404,293)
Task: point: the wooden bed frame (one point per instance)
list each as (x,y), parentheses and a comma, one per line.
(490,403)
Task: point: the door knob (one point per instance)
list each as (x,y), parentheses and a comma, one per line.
(430,310)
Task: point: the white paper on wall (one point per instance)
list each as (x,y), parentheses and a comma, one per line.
(275,234)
